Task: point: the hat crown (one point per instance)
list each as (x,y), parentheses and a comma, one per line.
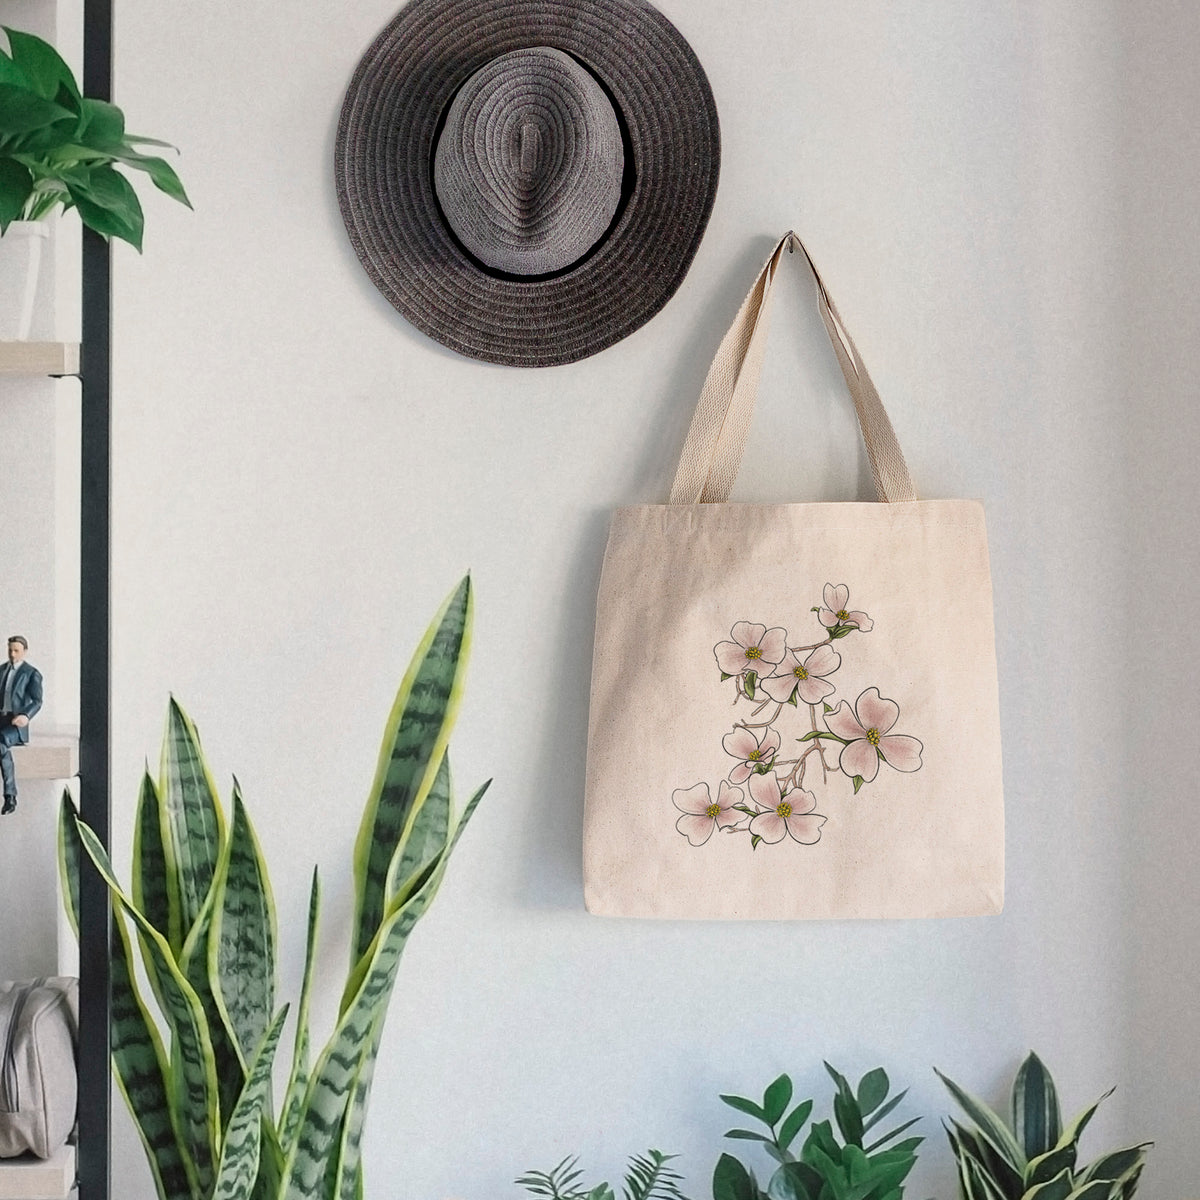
(529,165)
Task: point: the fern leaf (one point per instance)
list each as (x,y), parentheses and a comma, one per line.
(649,1178)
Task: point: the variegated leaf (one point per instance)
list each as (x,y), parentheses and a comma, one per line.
(154,886)
(240,1151)
(1058,1188)
(333,1077)
(298,1080)
(241,946)
(140,1067)
(1074,1130)
(194,963)
(191,1050)
(1046,1166)
(69,856)
(427,839)
(195,824)
(415,739)
(1117,1166)
(1036,1119)
(990,1126)
(349,1173)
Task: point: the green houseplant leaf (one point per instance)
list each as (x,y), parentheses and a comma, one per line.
(414,742)
(1035,1114)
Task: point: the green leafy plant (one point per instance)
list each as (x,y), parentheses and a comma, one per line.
(854,1168)
(201,911)
(647,1178)
(59,149)
(1036,1158)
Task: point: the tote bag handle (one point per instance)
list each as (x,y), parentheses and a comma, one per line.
(716,440)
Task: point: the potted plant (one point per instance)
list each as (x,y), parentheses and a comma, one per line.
(1036,1157)
(200,910)
(847,1163)
(60,150)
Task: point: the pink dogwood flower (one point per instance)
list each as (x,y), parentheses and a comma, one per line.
(791,814)
(865,727)
(804,676)
(742,743)
(836,610)
(701,814)
(754,648)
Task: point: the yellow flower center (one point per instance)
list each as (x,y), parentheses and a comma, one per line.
(753,652)
(755,756)
(873,736)
(800,673)
(784,809)
(713,811)
(842,615)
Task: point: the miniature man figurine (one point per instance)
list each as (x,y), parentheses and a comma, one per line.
(20,701)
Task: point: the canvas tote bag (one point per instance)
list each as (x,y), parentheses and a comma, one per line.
(794,707)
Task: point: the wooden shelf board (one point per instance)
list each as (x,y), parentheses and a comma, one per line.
(47,756)
(29,1178)
(39,358)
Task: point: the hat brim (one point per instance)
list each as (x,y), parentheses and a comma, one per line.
(384,174)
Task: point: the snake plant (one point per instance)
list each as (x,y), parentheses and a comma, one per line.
(1036,1158)
(200,912)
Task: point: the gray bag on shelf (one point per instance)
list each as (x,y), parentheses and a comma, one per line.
(39,1022)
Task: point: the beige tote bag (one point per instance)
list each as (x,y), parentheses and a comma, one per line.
(794,706)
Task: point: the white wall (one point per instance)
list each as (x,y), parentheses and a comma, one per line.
(300,477)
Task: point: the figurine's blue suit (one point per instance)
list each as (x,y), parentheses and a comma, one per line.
(27,701)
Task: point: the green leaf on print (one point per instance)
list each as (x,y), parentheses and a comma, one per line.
(826,707)
(755,838)
(725,675)
(858,782)
(841,631)
(751,680)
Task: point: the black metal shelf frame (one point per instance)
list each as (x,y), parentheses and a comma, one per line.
(95,920)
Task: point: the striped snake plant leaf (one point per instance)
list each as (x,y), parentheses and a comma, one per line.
(240,1150)
(349,1156)
(138,1060)
(990,1126)
(426,886)
(326,1100)
(1036,1119)
(69,858)
(427,839)
(194,963)
(140,1066)
(243,936)
(154,885)
(270,1161)
(415,739)
(298,1079)
(195,823)
(332,1080)
(195,1082)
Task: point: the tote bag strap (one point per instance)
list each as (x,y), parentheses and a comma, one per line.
(716,440)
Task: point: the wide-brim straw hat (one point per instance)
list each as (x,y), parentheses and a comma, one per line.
(527,181)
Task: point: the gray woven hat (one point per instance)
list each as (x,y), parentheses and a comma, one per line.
(527,181)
